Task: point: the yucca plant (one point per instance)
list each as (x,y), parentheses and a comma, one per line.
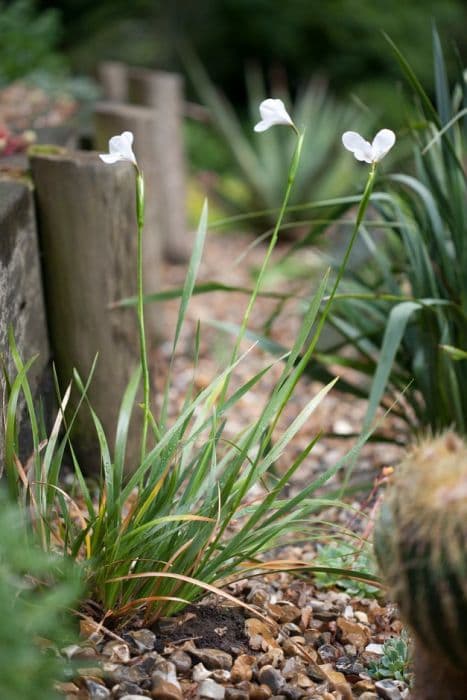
(325,170)
(402,317)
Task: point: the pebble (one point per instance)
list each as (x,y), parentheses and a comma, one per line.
(349,666)
(96,691)
(368,696)
(327,653)
(242,668)
(122,690)
(143,640)
(236,694)
(165,685)
(211,658)
(131,697)
(270,676)
(162,690)
(118,652)
(181,661)
(210,690)
(388,690)
(200,673)
(375,649)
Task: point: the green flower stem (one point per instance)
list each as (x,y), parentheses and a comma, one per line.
(360,216)
(290,182)
(142,332)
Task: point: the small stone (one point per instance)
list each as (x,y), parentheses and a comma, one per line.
(377,649)
(337,680)
(285,612)
(260,635)
(236,694)
(271,677)
(130,697)
(220,675)
(273,657)
(165,685)
(96,691)
(71,650)
(364,686)
(118,652)
(242,668)
(315,672)
(181,660)
(361,617)
(162,690)
(388,690)
(211,658)
(259,692)
(349,666)
(125,689)
(165,671)
(143,640)
(200,673)
(292,667)
(368,696)
(353,632)
(210,690)
(327,653)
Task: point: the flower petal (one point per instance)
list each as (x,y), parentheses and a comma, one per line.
(122,145)
(382,143)
(272,112)
(357,145)
(110,157)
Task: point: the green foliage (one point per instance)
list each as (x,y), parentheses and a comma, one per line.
(325,168)
(343,555)
(395,663)
(182,521)
(399,311)
(36,590)
(28,41)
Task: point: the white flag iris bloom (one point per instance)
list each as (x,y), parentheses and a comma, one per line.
(120,148)
(273,112)
(369,152)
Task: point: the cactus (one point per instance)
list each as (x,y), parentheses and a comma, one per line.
(421,547)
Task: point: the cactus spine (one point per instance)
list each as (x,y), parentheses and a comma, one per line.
(421,546)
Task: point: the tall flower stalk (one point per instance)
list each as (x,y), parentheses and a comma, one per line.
(121,149)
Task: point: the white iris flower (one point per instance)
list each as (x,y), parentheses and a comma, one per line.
(273,112)
(120,148)
(369,152)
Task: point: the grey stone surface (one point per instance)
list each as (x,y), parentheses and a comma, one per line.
(21,297)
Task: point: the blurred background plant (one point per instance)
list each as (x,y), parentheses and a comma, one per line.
(36,592)
(343,555)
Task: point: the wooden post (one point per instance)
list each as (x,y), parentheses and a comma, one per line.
(21,297)
(112,76)
(110,119)
(88,234)
(164,92)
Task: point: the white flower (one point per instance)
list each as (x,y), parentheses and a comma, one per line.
(272,112)
(366,151)
(120,148)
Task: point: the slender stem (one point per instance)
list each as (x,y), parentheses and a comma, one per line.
(142,333)
(275,234)
(360,215)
